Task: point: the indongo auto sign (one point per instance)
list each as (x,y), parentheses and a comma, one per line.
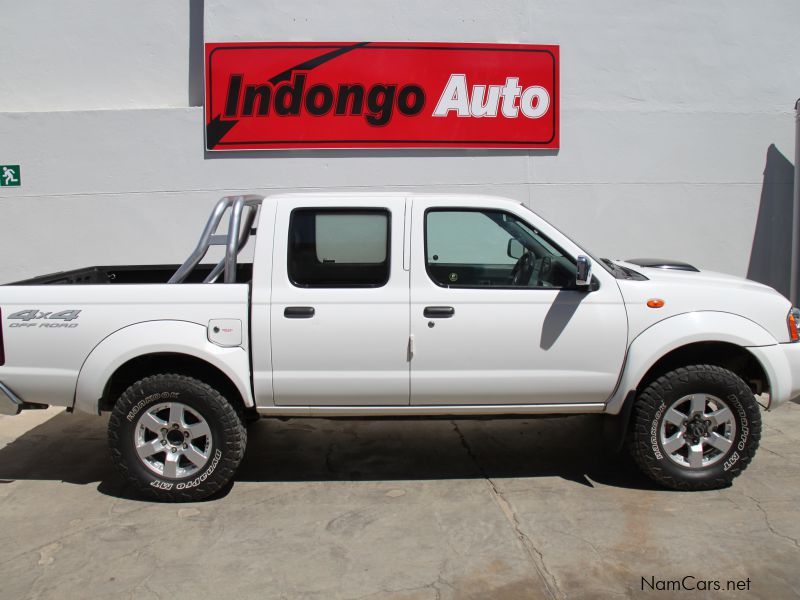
(380,95)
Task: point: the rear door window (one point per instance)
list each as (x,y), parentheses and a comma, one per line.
(339,247)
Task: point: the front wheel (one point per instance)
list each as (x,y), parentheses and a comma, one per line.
(695,428)
(175,438)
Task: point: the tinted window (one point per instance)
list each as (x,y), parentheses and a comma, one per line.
(488,248)
(465,238)
(339,248)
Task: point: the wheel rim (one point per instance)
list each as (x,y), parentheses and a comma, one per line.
(697,431)
(172,440)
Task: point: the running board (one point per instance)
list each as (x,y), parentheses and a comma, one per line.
(427,410)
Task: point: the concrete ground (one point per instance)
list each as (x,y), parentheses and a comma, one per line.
(394,509)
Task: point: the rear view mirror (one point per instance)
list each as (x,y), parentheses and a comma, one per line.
(515,249)
(584,275)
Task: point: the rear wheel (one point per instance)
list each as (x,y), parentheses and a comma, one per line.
(175,438)
(695,428)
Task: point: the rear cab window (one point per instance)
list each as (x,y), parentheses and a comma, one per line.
(332,247)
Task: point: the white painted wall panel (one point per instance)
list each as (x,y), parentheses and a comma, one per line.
(677,54)
(158,150)
(645,220)
(93,54)
(99,189)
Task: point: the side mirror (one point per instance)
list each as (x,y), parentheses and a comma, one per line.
(515,249)
(584,275)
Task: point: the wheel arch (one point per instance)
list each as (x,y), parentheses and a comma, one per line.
(732,357)
(160,347)
(715,338)
(163,363)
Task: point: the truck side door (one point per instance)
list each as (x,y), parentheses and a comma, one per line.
(339,309)
(485,334)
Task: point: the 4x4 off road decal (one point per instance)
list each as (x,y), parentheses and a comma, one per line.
(379,94)
(40,318)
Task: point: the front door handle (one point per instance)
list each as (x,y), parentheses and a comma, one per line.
(438,312)
(299,312)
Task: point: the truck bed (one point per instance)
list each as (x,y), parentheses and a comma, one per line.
(130,274)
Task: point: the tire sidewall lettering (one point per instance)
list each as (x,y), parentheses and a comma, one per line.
(205,475)
(157,397)
(744,433)
(728,464)
(744,423)
(654,427)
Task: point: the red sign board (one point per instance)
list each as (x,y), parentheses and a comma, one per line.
(380,95)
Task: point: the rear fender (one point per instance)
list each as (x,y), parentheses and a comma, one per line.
(153,337)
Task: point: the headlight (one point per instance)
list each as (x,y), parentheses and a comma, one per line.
(793,321)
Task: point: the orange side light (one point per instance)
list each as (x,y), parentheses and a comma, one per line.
(793,328)
(655,303)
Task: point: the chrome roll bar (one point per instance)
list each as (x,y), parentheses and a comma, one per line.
(240,227)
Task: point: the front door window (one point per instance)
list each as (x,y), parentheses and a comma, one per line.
(477,248)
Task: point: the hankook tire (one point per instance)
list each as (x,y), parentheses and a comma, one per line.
(174,438)
(695,428)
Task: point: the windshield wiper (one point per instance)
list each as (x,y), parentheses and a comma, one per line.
(611,264)
(615,268)
(621,272)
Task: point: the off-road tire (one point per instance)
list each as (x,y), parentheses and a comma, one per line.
(227,432)
(650,409)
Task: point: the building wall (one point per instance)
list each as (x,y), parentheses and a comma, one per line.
(96,55)
(677,126)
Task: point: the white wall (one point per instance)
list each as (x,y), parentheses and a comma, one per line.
(93,54)
(668,110)
(673,55)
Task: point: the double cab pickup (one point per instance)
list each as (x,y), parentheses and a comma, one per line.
(395,305)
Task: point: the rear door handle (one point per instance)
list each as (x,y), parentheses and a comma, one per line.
(439,312)
(299,312)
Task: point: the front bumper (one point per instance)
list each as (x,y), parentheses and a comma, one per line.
(781,363)
(10,404)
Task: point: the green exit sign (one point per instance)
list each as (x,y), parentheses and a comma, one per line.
(10,176)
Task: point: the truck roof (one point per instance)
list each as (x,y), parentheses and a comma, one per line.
(333,196)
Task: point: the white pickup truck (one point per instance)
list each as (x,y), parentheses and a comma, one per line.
(393,305)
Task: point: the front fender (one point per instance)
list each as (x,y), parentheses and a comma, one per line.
(681,330)
(154,337)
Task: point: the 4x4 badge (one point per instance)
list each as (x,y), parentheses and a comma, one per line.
(31,315)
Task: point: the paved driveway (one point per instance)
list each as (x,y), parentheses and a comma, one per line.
(512,508)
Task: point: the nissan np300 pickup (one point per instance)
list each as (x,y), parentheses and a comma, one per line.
(392,305)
